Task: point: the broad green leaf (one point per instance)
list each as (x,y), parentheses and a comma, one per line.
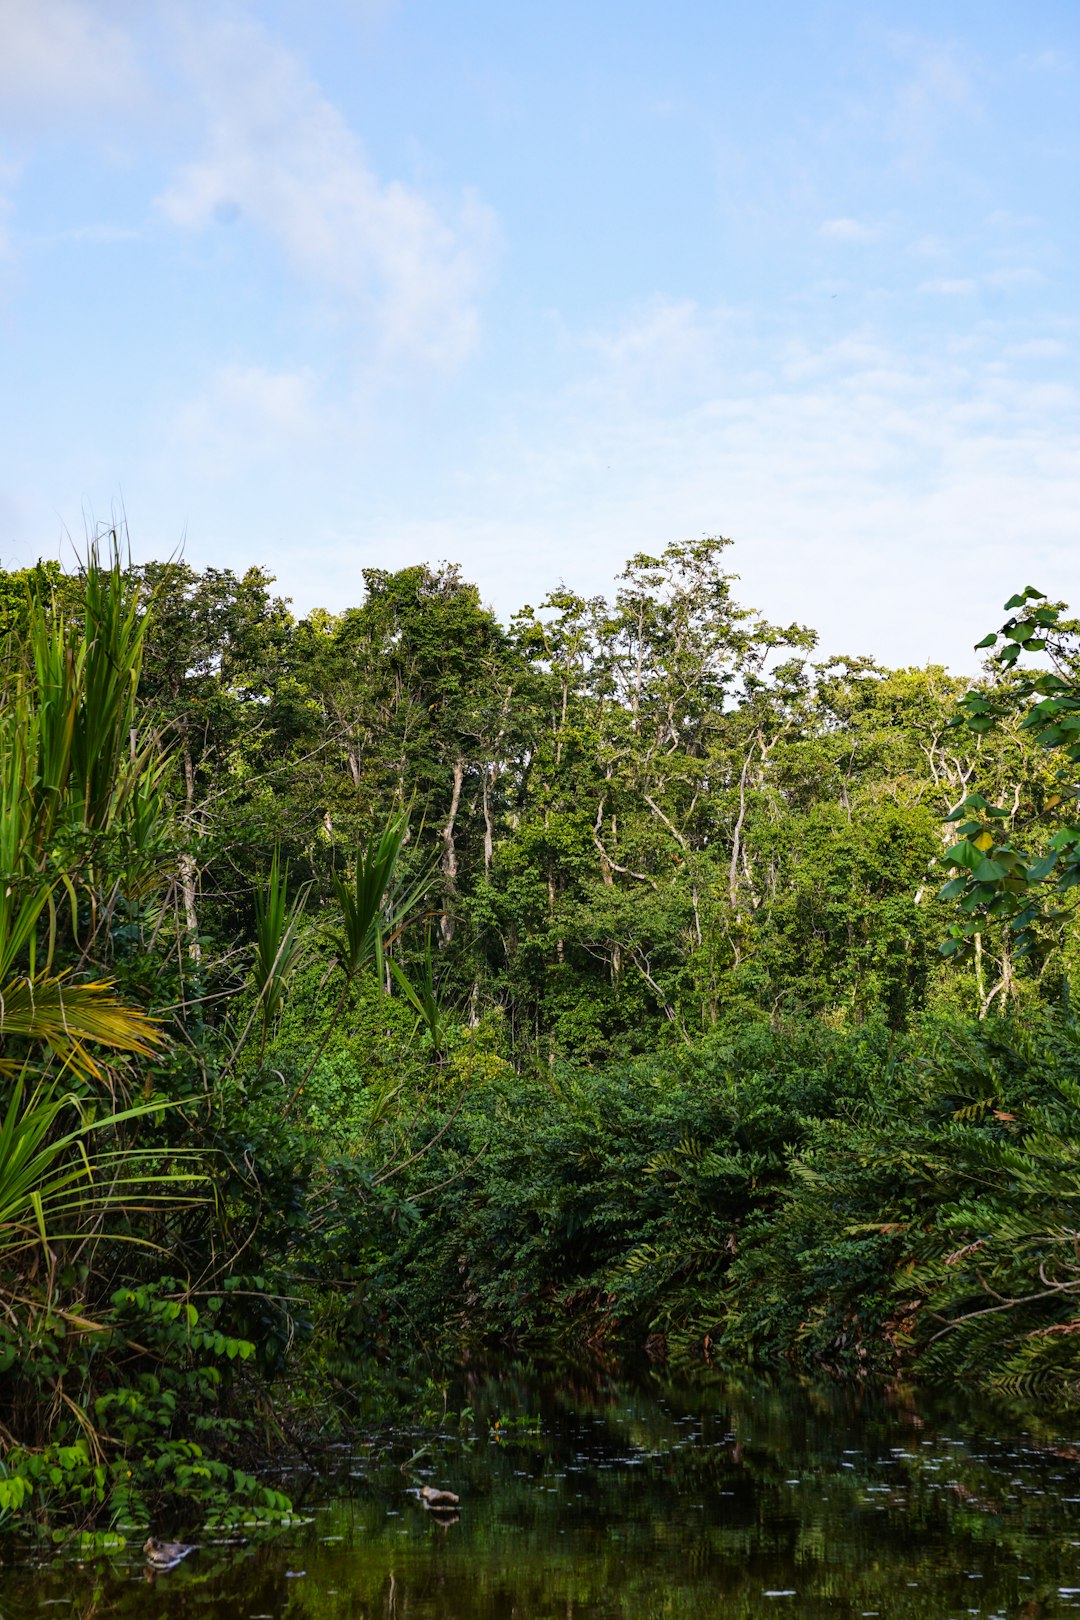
(963,854)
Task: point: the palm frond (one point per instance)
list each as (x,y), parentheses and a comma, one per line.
(373,908)
(279,949)
(49,1173)
(68,1018)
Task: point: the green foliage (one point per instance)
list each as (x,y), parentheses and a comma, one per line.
(88,1174)
(851,1200)
(366,921)
(149,1442)
(1017,867)
(682,1058)
(278,945)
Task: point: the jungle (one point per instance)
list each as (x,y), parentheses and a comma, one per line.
(635,979)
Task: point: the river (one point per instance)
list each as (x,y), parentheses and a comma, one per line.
(586,1496)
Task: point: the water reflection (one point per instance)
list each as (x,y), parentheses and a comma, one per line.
(745,1499)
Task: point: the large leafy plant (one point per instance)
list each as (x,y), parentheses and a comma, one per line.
(77,776)
(1015,867)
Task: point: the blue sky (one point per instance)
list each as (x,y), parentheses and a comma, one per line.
(532,287)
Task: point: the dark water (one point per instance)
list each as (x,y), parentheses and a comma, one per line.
(743,1499)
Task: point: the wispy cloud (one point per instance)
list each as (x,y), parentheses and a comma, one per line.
(1015,275)
(60,59)
(1052,60)
(669,348)
(850,230)
(246,415)
(278,153)
(1038,349)
(939,85)
(848,470)
(950,286)
(1007,279)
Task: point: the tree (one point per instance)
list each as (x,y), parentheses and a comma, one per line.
(1017,865)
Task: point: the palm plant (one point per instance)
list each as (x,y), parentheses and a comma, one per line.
(433,1014)
(279,948)
(57,1183)
(75,781)
(373,907)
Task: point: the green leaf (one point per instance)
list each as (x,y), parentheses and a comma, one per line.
(963,854)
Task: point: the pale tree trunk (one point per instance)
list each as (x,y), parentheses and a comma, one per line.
(489,830)
(449,856)
(609,881)
(560,944)
(605,863)
(491,776)
(736,840)
(187,870)
(1003,984)
(682,842)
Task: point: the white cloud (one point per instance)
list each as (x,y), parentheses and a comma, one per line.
(670,347)
(1022,275)
(1004,280)
(280,154)
(1005,219)
(950,287)
(850,230)
(849,474)
(60,59)
(247,415)
(1048,61)
(930,247)
(1038,349)
(940,85)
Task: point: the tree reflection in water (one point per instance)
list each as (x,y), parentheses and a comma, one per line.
(742,1498)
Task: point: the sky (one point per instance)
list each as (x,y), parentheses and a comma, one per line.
(534,287)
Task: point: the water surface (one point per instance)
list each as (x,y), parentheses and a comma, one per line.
(735,1500)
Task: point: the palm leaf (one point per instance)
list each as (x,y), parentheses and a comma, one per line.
(372,908)
(278,947)
(48,1174)
(51,1011)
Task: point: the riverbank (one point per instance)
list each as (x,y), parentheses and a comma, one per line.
(858,1200)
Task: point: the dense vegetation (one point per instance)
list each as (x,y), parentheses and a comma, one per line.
(383,982)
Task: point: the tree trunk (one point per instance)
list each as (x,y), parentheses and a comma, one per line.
(736,840)
(449,856)
(489,830)
(187,870)
(560,947)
